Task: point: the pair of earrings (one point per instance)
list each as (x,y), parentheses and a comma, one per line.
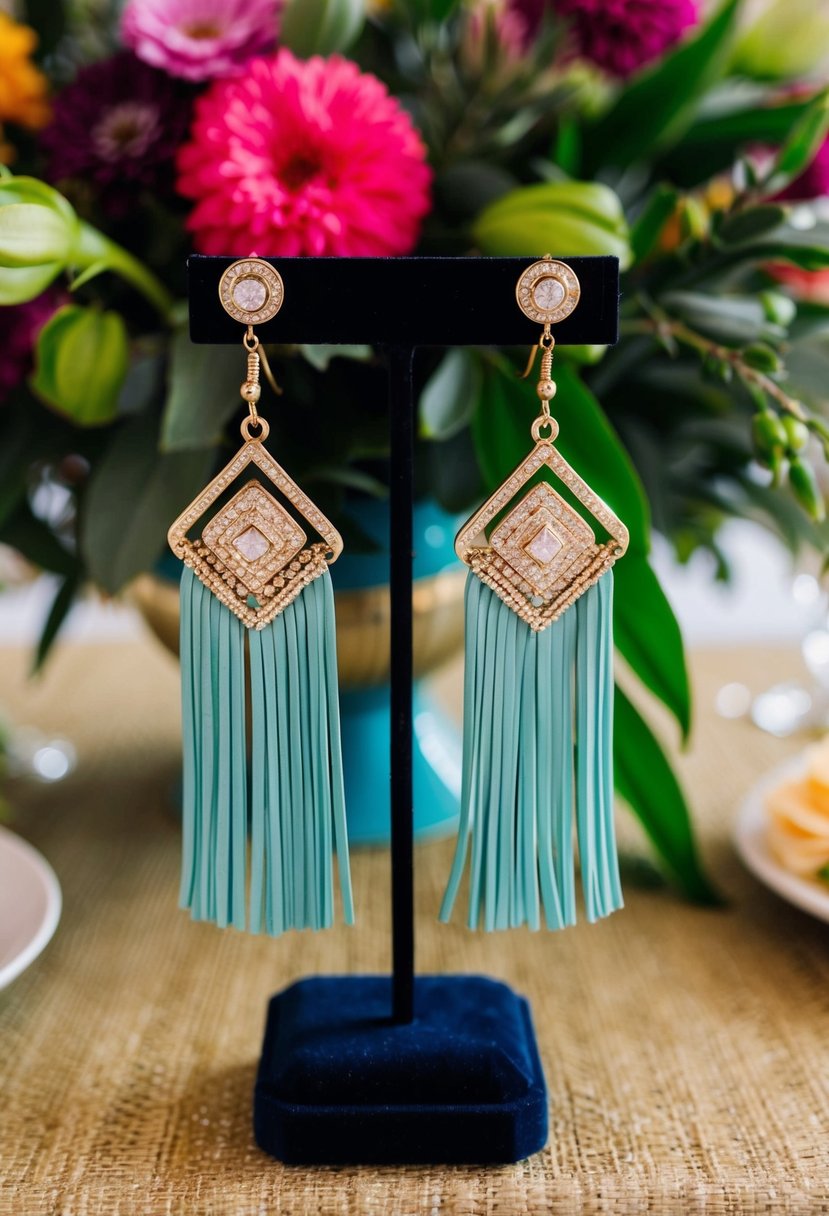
(538,685)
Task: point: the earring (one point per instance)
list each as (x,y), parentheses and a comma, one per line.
(539,673)
(253,583)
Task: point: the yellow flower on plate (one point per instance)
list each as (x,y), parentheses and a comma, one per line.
(23,87)
(799,816)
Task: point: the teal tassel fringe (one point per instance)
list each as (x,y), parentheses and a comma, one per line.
(297,805)
(527,698)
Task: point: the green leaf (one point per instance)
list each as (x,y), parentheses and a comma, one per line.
(36,541)
(709,146)
(802,144)
(750,224)
(133,496)
(202,394)
(647,635)
(320,356)
(450,395)
(646,781)
(320,27)
(81,359)
(733,320)
(501,432)
(655,108)
(567,152)
(58,612)
(565,217)
(351,478)
(32,235)
(648,228)
(92,271)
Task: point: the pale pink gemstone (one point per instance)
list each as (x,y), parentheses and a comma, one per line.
(251,544)
(249,294)
(548,293)
(544,546)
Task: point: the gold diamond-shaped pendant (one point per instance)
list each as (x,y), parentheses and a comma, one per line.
(543,554)
(252,554)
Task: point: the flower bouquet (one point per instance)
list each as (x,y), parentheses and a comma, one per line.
(692,147)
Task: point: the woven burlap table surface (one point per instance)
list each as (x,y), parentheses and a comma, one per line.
(685,1049)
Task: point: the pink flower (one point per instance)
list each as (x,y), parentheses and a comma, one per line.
(493,31)
(199,39)
(303,157)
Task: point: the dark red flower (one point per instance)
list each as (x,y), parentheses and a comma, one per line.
(118,126)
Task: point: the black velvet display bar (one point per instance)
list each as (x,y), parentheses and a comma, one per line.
(407,302)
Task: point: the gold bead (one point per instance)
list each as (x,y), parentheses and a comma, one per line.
(251,392)
(546,389)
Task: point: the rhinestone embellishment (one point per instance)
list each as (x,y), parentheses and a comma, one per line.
(249,294)
(251,291)
(543,554)
(251,544)
(548,291)
(254,536)
(544,545)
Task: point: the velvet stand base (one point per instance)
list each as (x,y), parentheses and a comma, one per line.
(340,1083)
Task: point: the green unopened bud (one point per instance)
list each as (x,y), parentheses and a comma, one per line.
(777,463)
(805,488)
(762,358)
(797,434)
(769,434)
(779,309)
(693,219)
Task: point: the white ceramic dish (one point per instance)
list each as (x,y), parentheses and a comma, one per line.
(30,903)
(751,839)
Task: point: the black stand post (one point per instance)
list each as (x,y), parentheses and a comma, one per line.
(401,435)
(450,1072)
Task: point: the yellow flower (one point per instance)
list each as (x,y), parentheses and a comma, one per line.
(22,86)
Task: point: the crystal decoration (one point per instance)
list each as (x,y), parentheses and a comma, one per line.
(251,544)
(249,294)
(544,545)
(548,293)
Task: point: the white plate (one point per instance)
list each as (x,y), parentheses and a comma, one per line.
(30,905)
(751,839)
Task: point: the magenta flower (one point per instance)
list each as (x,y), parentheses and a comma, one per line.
(199,39)
(21,324)
(619,36)
(117,126)
(303,157)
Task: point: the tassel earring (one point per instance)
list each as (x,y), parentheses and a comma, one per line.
(538,688)
(253,585)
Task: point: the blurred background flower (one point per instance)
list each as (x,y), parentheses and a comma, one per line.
(116,128)
(300,158)
(199,39)
(23,87)
(619,36)
(21,325)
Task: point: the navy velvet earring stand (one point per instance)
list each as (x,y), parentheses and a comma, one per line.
(427,1069)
